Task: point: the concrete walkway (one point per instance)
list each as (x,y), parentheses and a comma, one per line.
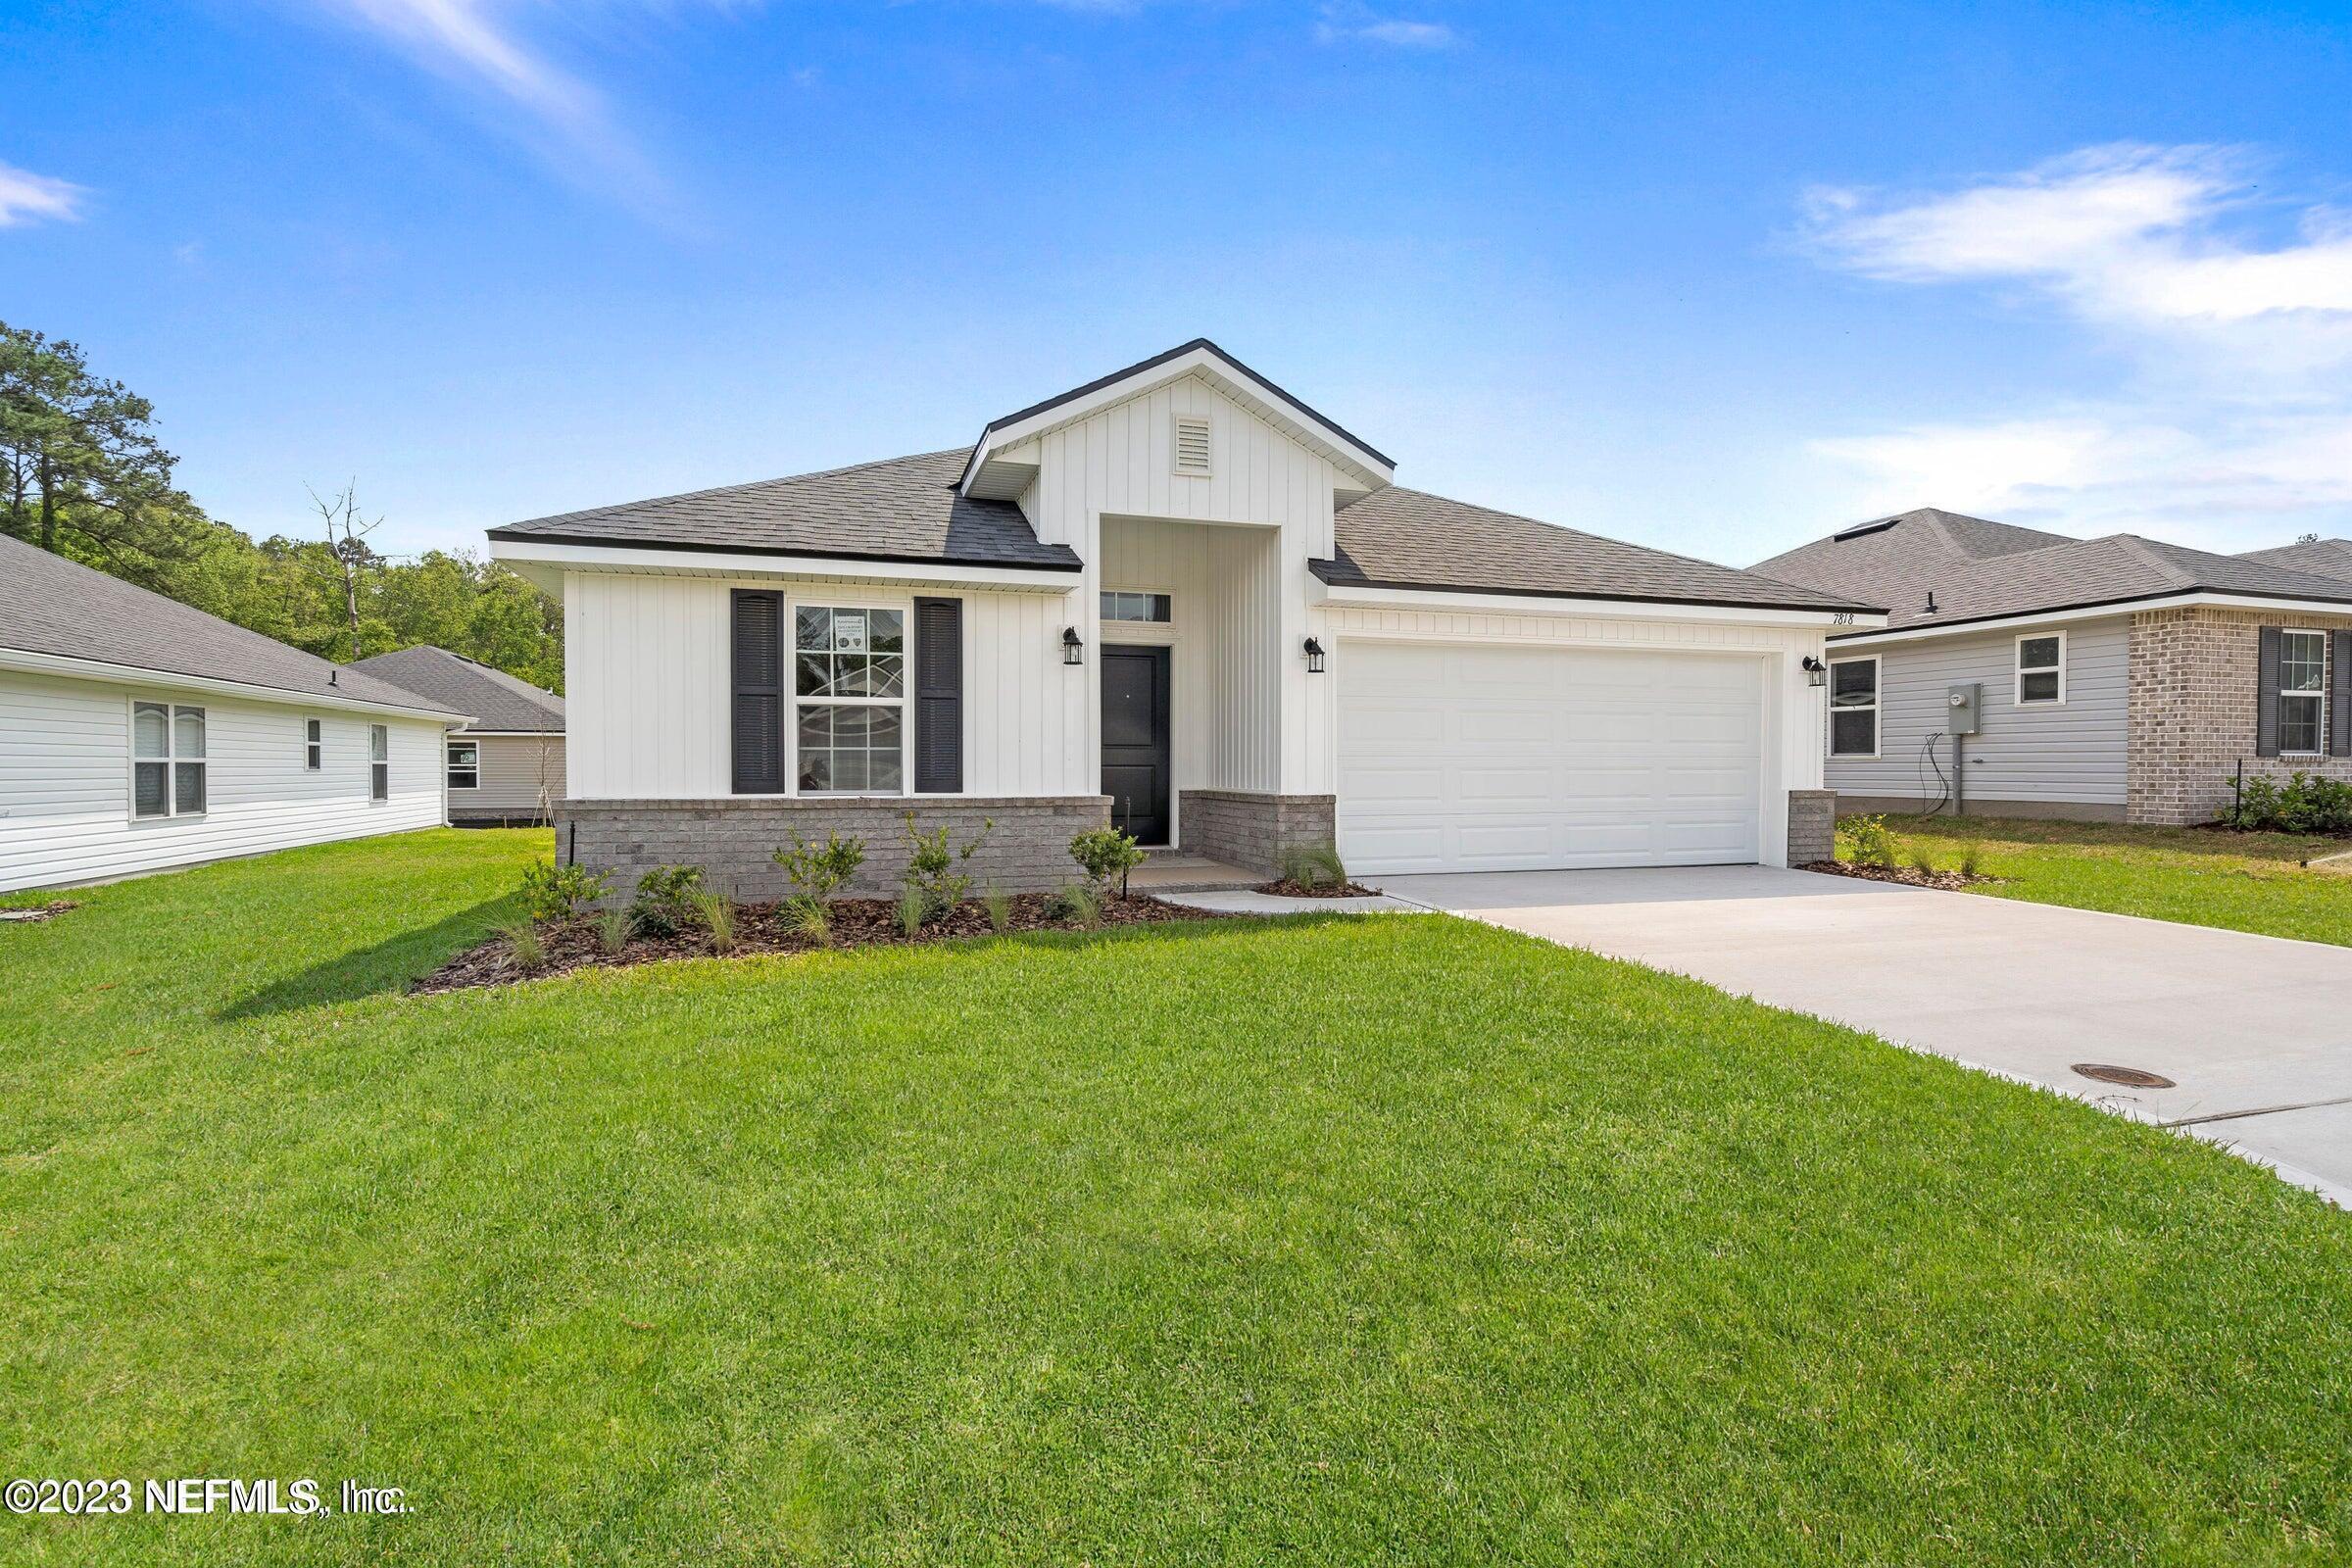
(2240,1023)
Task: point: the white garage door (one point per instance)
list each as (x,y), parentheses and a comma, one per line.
(1488,758)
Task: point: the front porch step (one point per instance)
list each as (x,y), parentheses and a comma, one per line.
(1188,874)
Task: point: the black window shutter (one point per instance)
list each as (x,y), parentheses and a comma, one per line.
(939,696)
(758,671)
(2339,700)
(2266,717)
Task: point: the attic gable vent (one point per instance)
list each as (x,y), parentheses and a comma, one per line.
(1192,444)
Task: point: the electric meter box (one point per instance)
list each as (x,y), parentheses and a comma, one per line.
(1962,701)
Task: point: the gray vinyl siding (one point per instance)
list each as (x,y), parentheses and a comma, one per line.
(2072,752)
(513,769)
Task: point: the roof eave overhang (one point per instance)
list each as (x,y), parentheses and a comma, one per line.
(545,554)
(32,662)
(2102,609)
(1372,468)
(1394,596)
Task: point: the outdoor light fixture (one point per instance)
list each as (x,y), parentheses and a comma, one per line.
(1314,656)
(1073,652)
(1817,673)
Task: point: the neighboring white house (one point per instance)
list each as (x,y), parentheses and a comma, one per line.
(136,734)
(1180,599)
(2119,678)
(505,768)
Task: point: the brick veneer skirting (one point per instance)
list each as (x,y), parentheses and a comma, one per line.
(1251,829)
(2192,710)
(1812,826)
(732,839)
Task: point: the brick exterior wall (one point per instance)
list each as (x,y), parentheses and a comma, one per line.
(1812,826)
(2194,683)
(1251,830)
(732,840)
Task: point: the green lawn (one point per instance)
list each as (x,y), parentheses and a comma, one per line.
(1342,1240)
(2244,881)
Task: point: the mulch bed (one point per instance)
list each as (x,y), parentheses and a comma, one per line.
(760,928)
(1908,875)
(1321,890)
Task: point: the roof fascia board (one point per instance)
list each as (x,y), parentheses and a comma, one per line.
(667,561)
(1231,375)
(2106,609)
(1405,598)
(512,734)
(37,664)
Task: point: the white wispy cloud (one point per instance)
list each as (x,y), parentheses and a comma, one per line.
(29,198)
(2233,310)
(1343,23)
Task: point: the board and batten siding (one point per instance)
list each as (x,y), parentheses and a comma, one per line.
(647,688)
(65,781)
(2071,752)
(518,772)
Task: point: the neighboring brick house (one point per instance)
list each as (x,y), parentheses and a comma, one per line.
(2119,678)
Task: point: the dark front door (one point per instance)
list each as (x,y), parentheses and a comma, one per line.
(1135,741)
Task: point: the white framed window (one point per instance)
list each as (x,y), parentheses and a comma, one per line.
(313,744)
(1192,445)
(1854,707)
(380,762)
(2302,691)
(166,759)
(464,764)
(849,691)
(1148,609)
(2040,670)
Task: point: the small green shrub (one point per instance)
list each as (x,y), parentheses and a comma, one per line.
(1106,852)
(807,917)
(914,912)
(1078,902)
(2304,804)
(612,930)
(934,875)
(1971,860)
(525,945)
(1869,841)
(998,905)
(1313,865)
(821,871)
(717,912)
(1923,863)
(551,892)
(664,905)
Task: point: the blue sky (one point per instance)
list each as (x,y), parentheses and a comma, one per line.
(1718,278)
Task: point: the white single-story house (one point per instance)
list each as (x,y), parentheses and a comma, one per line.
(1179,599)
(2118,679)
(505,768)
(137,733)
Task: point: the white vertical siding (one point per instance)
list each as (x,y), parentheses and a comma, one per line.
(2071,752)
(65,781)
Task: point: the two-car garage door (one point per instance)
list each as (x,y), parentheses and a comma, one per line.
(1478,758)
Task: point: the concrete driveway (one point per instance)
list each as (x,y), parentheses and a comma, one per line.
(2255,1030)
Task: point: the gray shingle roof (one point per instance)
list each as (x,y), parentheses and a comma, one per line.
(1978,574)
(901,508)
(49,605)
(497,699)
(1399,538)
(2330,557)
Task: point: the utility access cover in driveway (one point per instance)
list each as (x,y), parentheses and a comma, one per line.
(2255,1033)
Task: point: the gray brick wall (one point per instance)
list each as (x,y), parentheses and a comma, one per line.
(732,840)
(1250,829)
(1812,826)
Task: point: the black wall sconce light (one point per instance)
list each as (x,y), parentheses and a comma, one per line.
(1073,652)
(1314,656)
(1817,673)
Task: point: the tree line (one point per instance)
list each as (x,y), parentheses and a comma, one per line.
(83,473)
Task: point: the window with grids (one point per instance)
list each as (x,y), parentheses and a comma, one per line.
(1854,708)
(313,745)
(380,762)
(464,764)
(2302,690)
(166,759)
(848,683)
(1119,604)
(2041,668)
